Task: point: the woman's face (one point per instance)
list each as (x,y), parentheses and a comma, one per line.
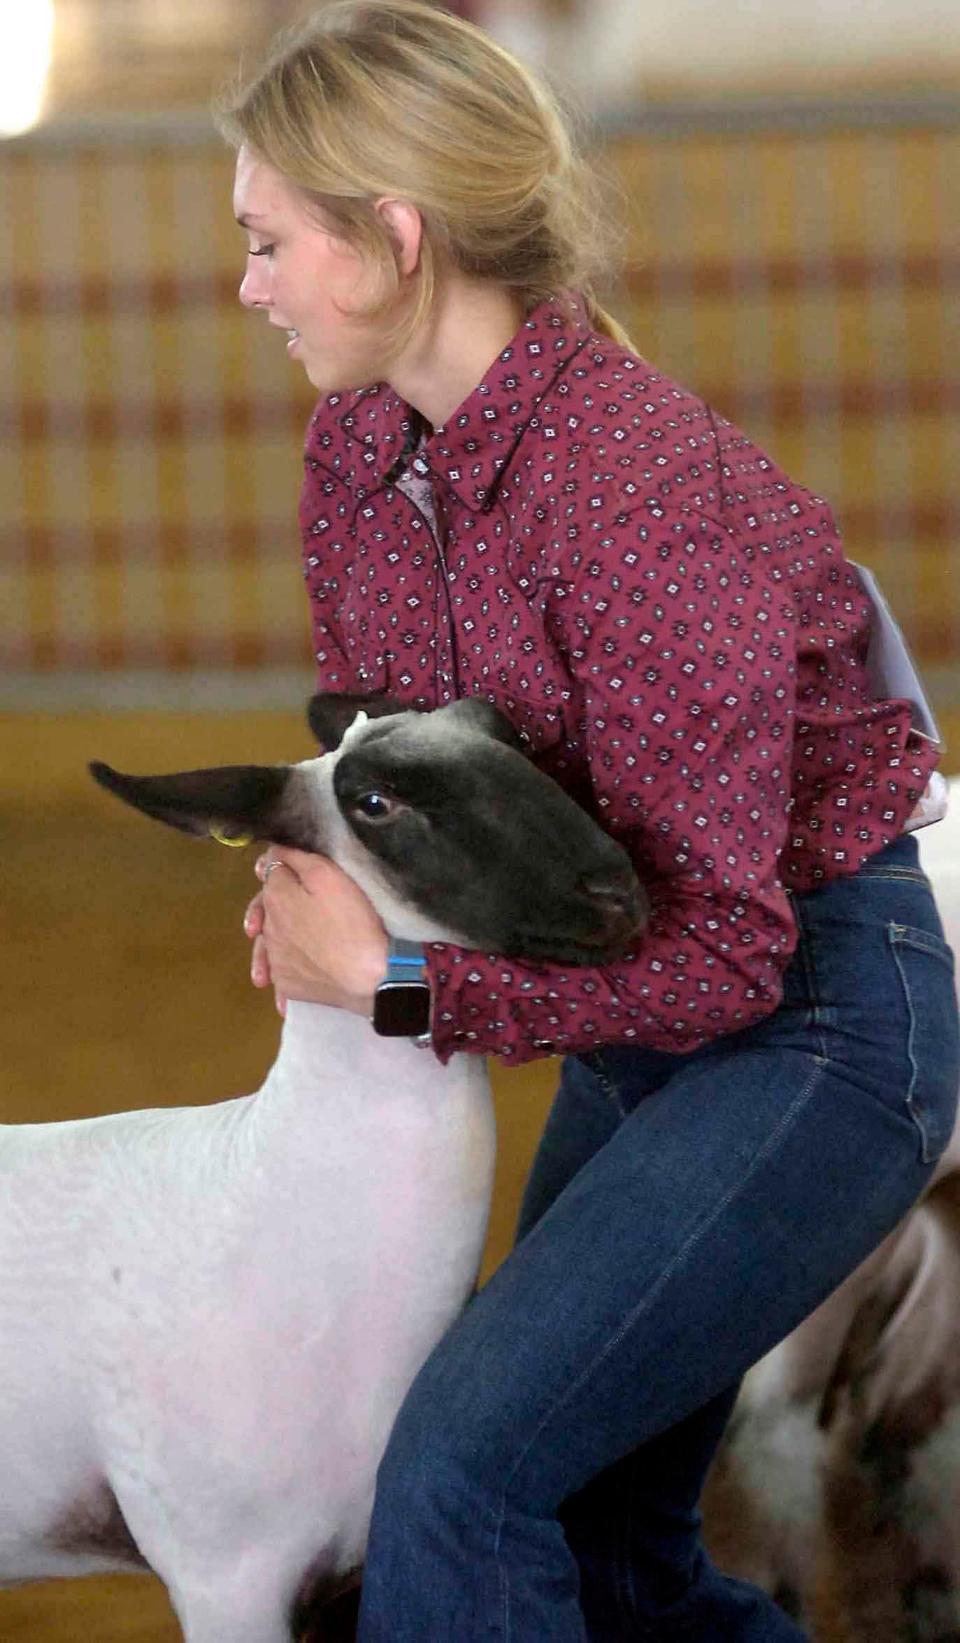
(307,281)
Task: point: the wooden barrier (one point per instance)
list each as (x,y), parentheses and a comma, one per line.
(799,269)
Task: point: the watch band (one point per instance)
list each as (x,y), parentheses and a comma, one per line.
(405,960)
(402,1001)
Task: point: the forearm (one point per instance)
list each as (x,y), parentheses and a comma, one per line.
(700,970)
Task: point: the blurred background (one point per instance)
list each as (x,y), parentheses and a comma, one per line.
(788,174)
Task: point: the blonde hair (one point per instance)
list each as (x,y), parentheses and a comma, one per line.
(397,98)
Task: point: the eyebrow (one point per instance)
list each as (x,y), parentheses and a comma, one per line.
(248,217)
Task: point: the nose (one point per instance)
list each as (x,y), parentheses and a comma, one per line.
(253,292)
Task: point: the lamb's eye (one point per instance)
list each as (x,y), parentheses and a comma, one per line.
(375,806)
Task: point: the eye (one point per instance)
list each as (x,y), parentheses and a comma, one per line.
(375,806)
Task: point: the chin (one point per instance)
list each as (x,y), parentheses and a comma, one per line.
(336,382)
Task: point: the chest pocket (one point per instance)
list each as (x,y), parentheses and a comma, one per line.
(340,600)
(507,653)
(378,585)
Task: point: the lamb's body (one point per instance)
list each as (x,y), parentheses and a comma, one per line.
(217,1310)
(210,1316)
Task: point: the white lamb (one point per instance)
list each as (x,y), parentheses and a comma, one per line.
(209,1316)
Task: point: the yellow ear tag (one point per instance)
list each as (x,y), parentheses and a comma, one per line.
(234,841)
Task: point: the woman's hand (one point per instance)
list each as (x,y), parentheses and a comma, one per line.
(315,935)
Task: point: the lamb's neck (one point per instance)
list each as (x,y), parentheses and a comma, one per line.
(331,1058)
(317,1038)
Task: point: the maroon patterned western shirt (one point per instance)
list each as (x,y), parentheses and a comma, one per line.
(670,624)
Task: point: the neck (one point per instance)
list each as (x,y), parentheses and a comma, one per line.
(338,1092)
(331,1061)
(470,323)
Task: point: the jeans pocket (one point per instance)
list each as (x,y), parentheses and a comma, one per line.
(925,965)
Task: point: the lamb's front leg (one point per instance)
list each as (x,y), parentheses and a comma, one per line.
(257,1599)
(246,1605)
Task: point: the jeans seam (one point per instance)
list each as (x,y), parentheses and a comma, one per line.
(804,952)
(690,1243)
(626,1595)
(915,875)
(607,1083)
(895,932)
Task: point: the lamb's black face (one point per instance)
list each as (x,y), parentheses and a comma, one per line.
(439,814)
(466,828)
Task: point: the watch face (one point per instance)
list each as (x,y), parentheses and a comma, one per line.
(401,1009)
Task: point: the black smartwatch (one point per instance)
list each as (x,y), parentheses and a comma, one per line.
(401,1003)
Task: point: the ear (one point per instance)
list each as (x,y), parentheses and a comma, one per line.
(330,717)
(234,802)
(404,224)
(478,714)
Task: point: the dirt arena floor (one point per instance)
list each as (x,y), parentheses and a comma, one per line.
(124,984)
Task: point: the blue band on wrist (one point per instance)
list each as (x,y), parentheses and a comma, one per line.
(405,960)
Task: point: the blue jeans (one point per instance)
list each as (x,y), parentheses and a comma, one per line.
(682,1216)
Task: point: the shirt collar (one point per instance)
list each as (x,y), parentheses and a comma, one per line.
(474,447)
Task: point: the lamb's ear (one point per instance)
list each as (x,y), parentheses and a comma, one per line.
(479,714)
(233,802)
(330,717)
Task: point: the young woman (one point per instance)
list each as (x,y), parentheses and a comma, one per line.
(501,497)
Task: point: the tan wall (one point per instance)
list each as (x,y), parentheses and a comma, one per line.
(141,54)
(629,51)
(151,433)
(803,276)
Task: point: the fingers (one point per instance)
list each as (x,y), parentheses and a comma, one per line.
(253,923)
(298,861)
(260,973)
(260,967)
(253,917)
(274,859)
(260,963)
(264,866)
